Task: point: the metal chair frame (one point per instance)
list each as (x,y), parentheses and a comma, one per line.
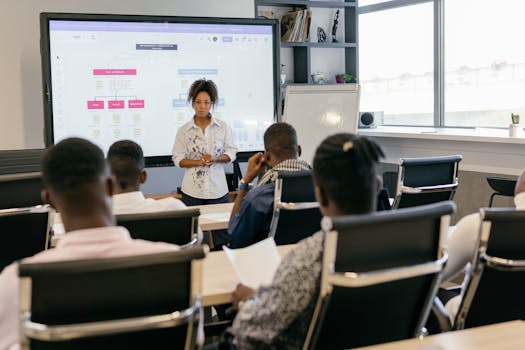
(351,279)
(280,205)
(483,260)
(59,333)
(402,188)
(194,213)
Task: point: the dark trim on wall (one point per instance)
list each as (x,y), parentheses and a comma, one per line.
(20,161)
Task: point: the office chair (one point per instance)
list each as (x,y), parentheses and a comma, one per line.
(383,200)
(501,187)
(26,231)
(380,274)
(296,212)
(390,181)
(136,302)
(426,180)
(176,226)
(233,178)
(497,286)
(20,190)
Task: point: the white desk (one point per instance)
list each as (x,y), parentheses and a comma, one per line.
(219,278)
(499,336)
(213,217)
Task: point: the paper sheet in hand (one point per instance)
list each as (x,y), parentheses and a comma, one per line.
(255,265)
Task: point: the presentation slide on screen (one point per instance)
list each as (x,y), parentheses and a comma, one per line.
(129,80)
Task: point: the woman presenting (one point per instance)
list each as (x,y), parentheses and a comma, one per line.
(203,145)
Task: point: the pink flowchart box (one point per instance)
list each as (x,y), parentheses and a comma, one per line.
(116,104)
(114,71)
(95,104)
(135,103)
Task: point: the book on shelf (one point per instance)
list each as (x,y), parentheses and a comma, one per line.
(295,26)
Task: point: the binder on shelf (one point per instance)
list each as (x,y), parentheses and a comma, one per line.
(296,26)
(288,21)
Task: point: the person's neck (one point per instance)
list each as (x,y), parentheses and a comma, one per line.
(201,120)
(119,190)
(74,219)
(335,212)
(282,159)
(83,222)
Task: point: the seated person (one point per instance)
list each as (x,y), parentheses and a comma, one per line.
(77,183)
(463,244)
(252,212)
(277,316)
(126,161)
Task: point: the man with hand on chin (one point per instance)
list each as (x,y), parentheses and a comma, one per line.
(252,212)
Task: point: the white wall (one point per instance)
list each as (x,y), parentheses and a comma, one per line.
(21,116)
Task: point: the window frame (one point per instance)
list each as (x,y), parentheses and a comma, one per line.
(438,54)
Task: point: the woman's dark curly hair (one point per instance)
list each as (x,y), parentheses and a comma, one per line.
(207,86)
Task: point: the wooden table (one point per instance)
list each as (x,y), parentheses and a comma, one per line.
(499,336)
(219,278)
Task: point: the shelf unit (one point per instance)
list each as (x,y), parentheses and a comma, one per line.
(302,51)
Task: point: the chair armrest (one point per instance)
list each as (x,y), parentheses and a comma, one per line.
(192,243)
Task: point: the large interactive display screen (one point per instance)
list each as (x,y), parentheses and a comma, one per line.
(112,77)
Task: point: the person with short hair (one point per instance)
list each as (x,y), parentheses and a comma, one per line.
(252,212)
(77,184)
(126,161)
(277,316)
(203,146)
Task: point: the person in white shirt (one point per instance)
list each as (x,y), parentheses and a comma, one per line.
(126,160)
(203,146)
(463,243)
(77,183)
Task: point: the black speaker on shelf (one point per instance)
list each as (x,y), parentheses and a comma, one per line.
(369,120)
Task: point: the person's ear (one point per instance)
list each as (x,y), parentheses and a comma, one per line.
(143,176)
(267,155)
(299,151)
(47,198)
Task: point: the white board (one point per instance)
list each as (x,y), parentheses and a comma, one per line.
(317,111)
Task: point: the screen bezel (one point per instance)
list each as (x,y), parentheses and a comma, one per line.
(151,161)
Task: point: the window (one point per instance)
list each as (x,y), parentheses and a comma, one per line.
(484,62)
(481,78)
(396,64)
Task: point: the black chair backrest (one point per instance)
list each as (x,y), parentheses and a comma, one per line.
(176,227)
(296,212)
(495,293)
(20,190)
(426,180)
(383,200)
(97,290)
(501,187)
(26,233)
(380,274)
